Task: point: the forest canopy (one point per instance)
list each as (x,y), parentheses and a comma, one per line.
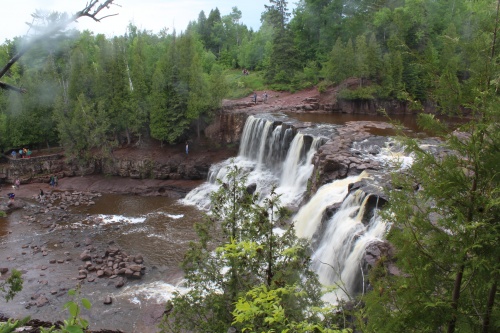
(89,91)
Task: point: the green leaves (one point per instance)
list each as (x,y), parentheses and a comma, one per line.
(239,254)
(86,303)
(12,285)
(443,232)
(11,325)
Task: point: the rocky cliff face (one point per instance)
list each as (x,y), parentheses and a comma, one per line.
(37,169)
(227,126)
(176,167)
(336,159)
(172,167)
(392,107)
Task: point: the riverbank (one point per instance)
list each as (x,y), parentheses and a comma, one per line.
(46,241)
(105,184)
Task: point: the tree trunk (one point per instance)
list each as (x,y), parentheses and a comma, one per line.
(493,42)
(128,137)
(489,306)
(455,297)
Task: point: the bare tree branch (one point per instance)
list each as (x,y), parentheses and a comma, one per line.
(88,11)
(6,86)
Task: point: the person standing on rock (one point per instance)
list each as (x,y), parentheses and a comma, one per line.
(255,97)
(187,148)
(42,196)
(51,181)
(17,183)
(11,199)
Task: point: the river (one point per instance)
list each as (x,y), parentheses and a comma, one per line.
(158,228)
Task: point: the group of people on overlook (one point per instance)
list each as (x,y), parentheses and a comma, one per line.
(23,153)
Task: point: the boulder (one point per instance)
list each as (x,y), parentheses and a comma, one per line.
(138,259)
(41,301)
(135,268)
(85,256)
(119,283)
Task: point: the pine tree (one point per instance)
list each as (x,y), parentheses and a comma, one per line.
(239,249)
(445,211)
(284,57)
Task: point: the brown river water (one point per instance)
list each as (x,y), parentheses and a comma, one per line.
(159,228)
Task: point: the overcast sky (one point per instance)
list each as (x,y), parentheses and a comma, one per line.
(151,15)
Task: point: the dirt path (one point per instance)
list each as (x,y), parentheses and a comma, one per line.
(103,184)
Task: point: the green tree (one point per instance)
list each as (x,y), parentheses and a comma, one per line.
(283,60)
(445,230)
(255,48)
(445,236)
(160,89)
(83,129)
(12,285)
(139,104)
(112,88)
(261,309)
(213,34)
(361,59)
(238,250)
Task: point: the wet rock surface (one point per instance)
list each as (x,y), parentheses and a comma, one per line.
(47,241)
(111,263)
(337,158)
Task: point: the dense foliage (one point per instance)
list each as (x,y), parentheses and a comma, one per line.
(87,91)
(446,236)
(445,208)
(248,270)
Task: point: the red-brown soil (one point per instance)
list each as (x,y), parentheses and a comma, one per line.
(284,99)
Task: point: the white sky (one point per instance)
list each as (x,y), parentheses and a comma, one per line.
(151,15)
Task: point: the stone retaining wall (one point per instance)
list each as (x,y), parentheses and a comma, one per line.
(34,169)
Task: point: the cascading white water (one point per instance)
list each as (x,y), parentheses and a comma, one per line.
(343,240)
(262,158)
(308,218)
(392,155)
(267,161)
(292,161)
(297,169)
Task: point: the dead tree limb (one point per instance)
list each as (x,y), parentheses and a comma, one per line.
(90,10)
(7,86)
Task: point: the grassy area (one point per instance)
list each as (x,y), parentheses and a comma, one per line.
(243,85)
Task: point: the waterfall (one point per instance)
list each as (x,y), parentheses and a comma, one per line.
(308,218)
(270,155)
(342,240)
(297,168)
